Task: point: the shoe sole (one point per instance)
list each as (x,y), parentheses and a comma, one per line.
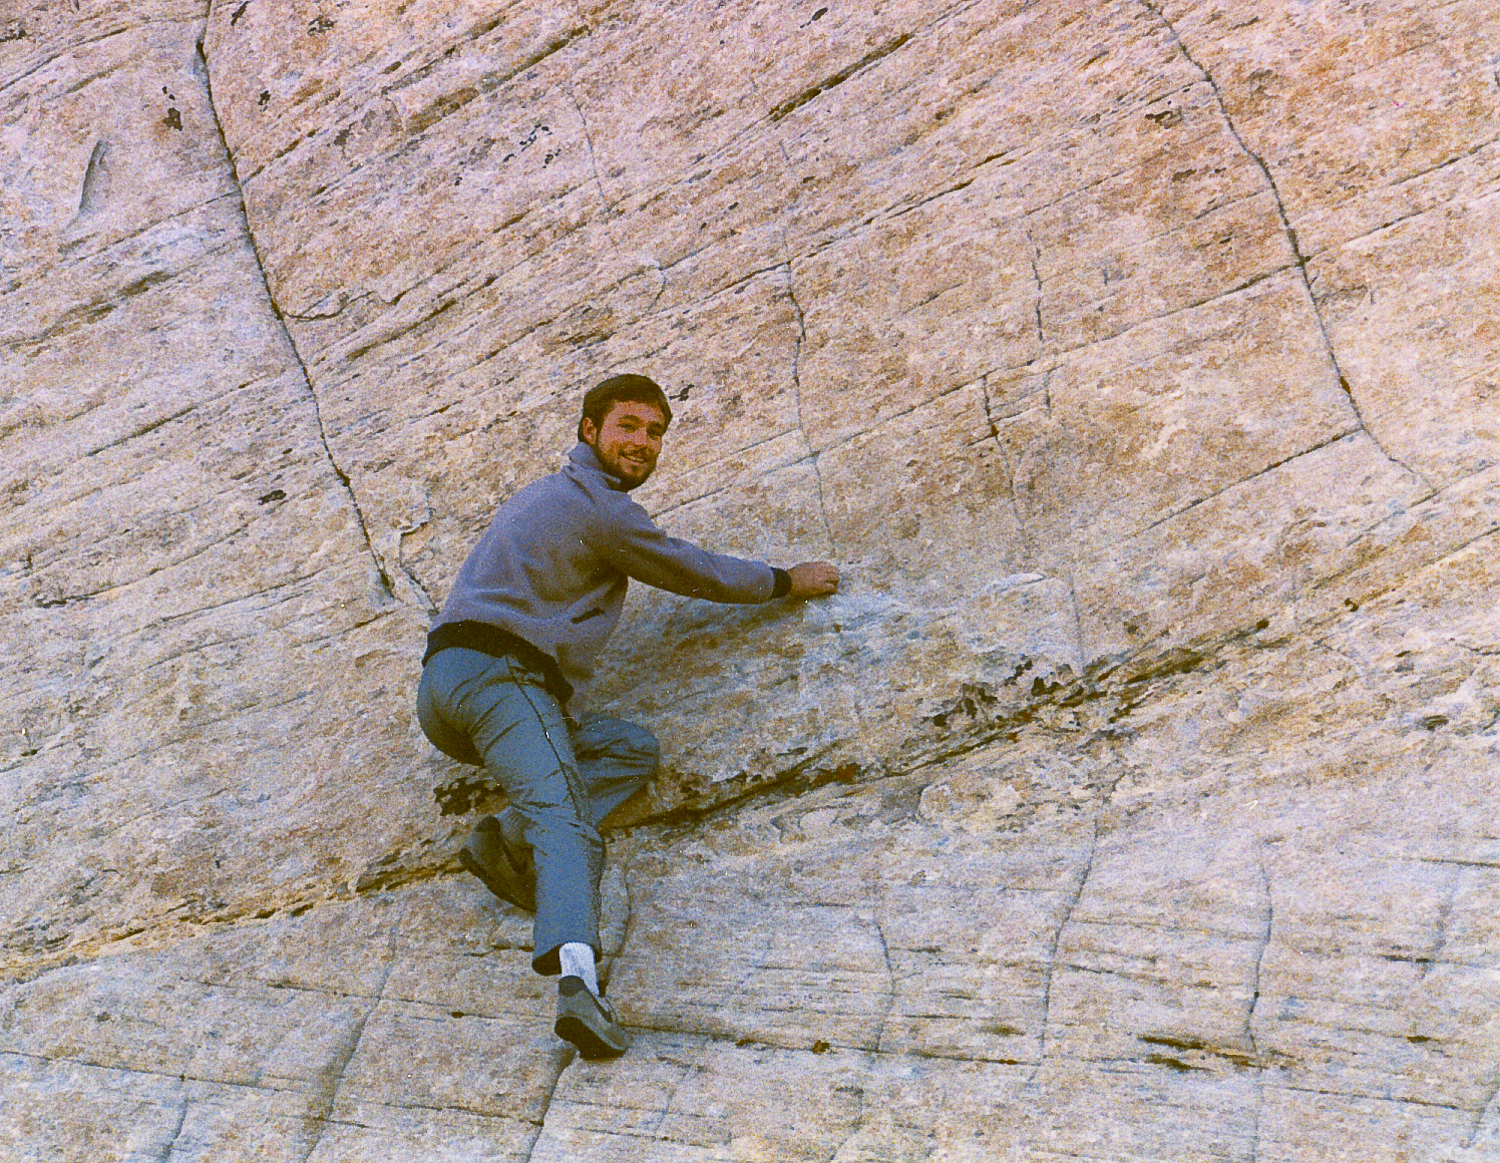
(590,1045)
(502,890)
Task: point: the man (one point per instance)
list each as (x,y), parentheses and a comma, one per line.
(519,633)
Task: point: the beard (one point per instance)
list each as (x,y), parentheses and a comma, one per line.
(630,473)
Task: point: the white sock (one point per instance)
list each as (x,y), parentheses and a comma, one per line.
(577,960)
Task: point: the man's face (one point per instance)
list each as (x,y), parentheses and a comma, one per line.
(628,442)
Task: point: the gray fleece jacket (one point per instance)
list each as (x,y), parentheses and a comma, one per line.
(553,567)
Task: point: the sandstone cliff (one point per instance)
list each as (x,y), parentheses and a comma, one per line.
(1134,800)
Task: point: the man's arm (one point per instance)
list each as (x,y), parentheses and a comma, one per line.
(635,545)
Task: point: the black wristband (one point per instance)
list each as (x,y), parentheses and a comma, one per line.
(783,584)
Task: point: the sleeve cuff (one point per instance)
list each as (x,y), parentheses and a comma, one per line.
(783,584)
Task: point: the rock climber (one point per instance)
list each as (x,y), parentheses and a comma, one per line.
(509,658)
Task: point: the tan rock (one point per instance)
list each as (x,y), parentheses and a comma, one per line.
(1132,800)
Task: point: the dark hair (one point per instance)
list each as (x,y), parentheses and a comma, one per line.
(618,390)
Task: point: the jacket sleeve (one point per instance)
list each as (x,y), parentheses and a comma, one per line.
(627,538)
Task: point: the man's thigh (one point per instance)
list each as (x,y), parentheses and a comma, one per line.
(516,727)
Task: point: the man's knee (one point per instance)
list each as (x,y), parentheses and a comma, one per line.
(620,739)
(551,825)
(641,743)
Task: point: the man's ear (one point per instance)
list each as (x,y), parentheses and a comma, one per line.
(587,432)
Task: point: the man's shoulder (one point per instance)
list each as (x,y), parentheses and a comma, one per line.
(574,489)
(579,491)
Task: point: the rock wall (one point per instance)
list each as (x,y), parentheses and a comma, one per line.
(1133,800)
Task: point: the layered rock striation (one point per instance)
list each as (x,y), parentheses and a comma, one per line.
(1134,799)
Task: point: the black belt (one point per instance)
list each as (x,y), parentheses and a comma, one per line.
(498,643)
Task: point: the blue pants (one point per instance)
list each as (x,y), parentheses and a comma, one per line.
(562,777)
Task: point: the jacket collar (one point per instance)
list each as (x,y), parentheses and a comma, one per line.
(582,457)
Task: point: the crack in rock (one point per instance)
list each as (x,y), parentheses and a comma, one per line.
(791,292)
(1260,954)
(1050,972)
(331,1077)
(385,589)
(1301,260)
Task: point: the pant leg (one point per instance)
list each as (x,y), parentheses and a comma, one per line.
(440,733)
(520,731)
(616,758)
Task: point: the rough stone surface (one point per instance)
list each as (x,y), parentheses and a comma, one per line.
(1133,800)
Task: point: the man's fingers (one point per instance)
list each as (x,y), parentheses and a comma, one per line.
(814,579)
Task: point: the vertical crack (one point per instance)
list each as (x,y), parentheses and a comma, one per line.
(387,590)
(171,1147)
(1301,260)
(565,1059)
(1036,280)
(1445,915)
(400,554)
(331,1077)
(1083,655)
(588,140)
(1260,1108)
(989,419)
(687,1072)
(1485,1108)
(1050,971)
(1260,955)
(791,293)
(890,988)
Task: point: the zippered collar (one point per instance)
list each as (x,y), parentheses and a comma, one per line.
(582,457)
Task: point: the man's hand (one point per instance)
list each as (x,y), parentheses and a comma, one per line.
(813,579)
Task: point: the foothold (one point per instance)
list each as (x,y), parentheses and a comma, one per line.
(173,119)
(319,25)
(462,795)
(265,98)
(95,179)
(238,12)
(273,495)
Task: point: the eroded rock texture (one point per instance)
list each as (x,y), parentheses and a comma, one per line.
(1134,800)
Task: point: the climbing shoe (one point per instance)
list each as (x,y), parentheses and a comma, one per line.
(502,870)
(588,1022)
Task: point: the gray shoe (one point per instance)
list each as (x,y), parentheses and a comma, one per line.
(588,1022)
(508,875)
